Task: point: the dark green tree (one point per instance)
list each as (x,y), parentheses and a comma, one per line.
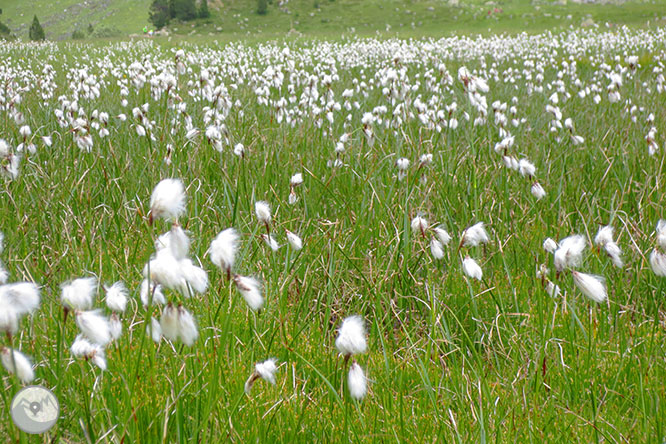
(203,9)
(36,31)
(262,7)
(185,10)
(158,14)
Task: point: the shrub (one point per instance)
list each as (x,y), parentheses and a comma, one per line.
(36,31)
(159,14)
(103,31)
(78,35)
(203,9)
(262,7)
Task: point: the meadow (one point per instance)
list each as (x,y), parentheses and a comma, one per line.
(382,156)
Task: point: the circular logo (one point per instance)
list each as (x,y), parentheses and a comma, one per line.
(35,409)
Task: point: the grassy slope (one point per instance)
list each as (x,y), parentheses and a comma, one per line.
(406,18)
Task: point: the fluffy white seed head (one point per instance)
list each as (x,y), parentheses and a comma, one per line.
(537,191)
(615,253)
(78,294)
(169,322)
(472,268)
(550,245)
(442,235)
(94,326)
(187,327)
(155,330)
(263,212)
(195,277)
(266,370)
(9,319)
(296,180)
(168,200)
(357,382)
(570,252)
(270,241)
(474,235)
(351,336)
(18,365)
(116,296)
(165,270)
(154,292)
(658,262)
(661,233)
(223,249)
(250,289)
(176,240)
(22,297)
(436,249)
(604,236)
(115,327)
(419,224)
(591,286)
(526,168)
(294,240)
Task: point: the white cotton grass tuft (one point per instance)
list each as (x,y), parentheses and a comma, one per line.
(78,294)
(661,233)
(223,250)
(155,330)
(18,364)
(176,240)
(537,191)
(351,337)
(9,319)
(472,268)
(474,235)
(604,239)
(552,289)
(295,242)
(115,326)
(436,249)
(82,348)
(265,370)
(357,383)
(270,241)
(250,289)
(442,235)
(195,277)
(94,326)
(419,224)
(116,296)
(604,236)
(168,200)
(296,180)
(658,262)
(570,252)
(151,292)
(550,245)
(263,212)
(22,297)
(165,270)
(592,286)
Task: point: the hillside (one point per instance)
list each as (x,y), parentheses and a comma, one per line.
(235,18)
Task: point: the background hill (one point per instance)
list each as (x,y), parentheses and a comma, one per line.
(236,18)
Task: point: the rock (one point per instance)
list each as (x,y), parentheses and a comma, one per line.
(587,22)
(454,2)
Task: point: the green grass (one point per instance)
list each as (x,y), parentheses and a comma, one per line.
(237,19)
(450,360)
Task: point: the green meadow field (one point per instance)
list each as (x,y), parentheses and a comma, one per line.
(489,206)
